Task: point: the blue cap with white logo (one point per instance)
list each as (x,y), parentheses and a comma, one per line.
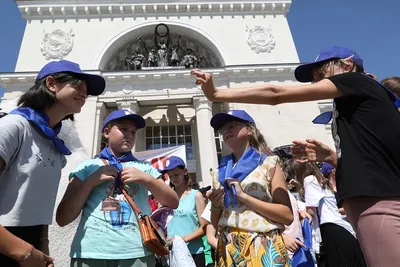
(303,73)
(95,83)
(173,162)
(219,119)
(125,114)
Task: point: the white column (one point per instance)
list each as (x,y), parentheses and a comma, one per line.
(205,138)
(101,113)
(133,106)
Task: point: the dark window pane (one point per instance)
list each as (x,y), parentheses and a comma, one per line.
(149,143)
(149,131)
(180,129)
(164,130)
(172,130)
(218,145)
(156,131)
(188,129)
(164,142)
(181,141)
(172,141)
(156,141)
(188,140)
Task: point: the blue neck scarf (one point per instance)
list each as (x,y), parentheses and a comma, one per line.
(41,120)
(250,160)
(326,117)
(116,162)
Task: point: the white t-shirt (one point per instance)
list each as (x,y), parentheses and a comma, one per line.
(30,179)
(325,201)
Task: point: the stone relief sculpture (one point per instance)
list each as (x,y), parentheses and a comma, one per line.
(57,44)
(190,61)
(161,50)
(260,39)
(174,59)
(135,60)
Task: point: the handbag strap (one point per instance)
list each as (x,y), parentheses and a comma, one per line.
(127,196)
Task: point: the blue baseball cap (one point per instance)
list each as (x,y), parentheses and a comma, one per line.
(327,168)
(95,83)
(173,162)
(125,114)
(303,73)
(219,119)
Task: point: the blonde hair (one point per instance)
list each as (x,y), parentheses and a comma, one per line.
(257,140)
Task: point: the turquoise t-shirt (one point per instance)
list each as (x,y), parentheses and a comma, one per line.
(185,221)
(109,229)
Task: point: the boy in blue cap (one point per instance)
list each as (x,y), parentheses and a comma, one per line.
(366,130)
(108,233)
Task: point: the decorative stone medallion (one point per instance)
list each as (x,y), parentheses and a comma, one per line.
(57,44)
(260,39)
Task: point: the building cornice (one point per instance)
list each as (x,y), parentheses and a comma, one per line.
(242,71)
(95,9)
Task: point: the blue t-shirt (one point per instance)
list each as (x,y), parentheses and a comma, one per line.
(108,228)
(185,221)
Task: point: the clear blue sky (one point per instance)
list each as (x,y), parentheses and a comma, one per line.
(371,27)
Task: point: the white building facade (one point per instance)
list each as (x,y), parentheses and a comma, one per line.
(240,42)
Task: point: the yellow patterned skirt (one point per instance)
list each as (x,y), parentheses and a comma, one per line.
(240,248)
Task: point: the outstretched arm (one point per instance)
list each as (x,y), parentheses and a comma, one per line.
(267,93)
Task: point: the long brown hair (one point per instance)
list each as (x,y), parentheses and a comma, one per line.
(257,140)
(299,171)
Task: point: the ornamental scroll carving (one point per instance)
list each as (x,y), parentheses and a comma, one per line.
(57,44)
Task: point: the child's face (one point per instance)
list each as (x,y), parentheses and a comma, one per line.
(234,134)
(122,136)
(177,176)
(70,98)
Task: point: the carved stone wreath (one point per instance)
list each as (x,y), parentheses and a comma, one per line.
(260,39)
(57,44)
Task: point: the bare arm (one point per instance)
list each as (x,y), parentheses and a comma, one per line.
(73,201)
(311,210)
(201,231)
(12,246)
(78,191)
(211,236)
(162,192)
(267,93)
(280,210)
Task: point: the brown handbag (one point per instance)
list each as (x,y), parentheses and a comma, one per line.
(152,235)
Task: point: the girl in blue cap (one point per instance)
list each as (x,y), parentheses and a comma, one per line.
(365,129)
(187,221)
(250,203)
(31,159)
(108,233)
